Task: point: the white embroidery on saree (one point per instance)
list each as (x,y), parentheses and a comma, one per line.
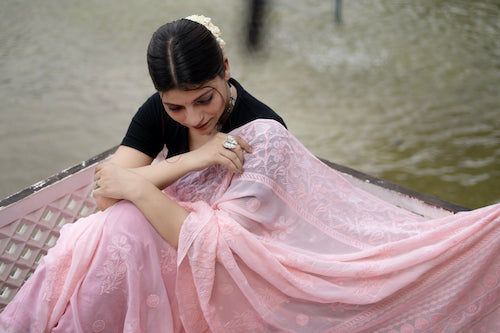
(55,278)
(168,259)
(115,268)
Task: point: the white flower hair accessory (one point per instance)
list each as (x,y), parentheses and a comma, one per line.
(207,22)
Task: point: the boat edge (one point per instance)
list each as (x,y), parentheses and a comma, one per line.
(30,190)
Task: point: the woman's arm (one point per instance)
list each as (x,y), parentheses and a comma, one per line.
(165,215)
(127,177)
(125,157)
(161,174)
(166,172)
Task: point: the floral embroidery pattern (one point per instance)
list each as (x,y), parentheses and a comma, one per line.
(98,326)
(131,327)
(54,281)
(253,205)
(270,298)
(302,319)
(153,301)
(115,268)
(282,229)
(119,248)
(248,321)
(168,261)
(189,191)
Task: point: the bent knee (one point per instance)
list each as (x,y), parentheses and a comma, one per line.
(127,217)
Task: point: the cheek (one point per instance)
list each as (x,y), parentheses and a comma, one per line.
(216,108)
(177,116)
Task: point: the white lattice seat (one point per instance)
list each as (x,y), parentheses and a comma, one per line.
(30,221)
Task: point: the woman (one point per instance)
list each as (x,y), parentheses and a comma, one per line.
(196,100)
(268,238)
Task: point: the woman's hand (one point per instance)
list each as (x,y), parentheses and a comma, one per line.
(213,152)
(116,182)
(165,215)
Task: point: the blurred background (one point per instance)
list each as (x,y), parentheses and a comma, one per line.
(403,90)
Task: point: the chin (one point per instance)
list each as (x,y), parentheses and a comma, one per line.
(210,129)
(205,131)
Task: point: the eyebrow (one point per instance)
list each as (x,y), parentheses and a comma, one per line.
(196,99)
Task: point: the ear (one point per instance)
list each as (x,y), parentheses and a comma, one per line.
(227,73)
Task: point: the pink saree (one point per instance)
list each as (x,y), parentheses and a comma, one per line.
(286,246)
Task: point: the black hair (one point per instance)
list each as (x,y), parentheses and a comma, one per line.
(184,55)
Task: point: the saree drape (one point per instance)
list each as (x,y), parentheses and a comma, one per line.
(286,246)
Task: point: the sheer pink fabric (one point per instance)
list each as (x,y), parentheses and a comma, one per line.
(286,246)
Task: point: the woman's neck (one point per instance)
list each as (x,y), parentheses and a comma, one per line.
(197,140)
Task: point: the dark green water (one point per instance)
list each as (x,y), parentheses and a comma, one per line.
(404,90)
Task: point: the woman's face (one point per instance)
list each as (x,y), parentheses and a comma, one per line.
(198,109)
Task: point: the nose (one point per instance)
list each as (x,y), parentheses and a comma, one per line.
(193,117)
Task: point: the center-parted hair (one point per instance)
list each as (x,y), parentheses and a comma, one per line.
(183,55)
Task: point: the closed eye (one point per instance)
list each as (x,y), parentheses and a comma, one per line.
(205,101)
(174,108)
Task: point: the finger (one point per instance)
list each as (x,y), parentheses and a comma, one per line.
(98,170)
(100,192)
(97,175)
(96,191)
(97,188)
(238,151)
(97,184)
(231,160)
(243,144)
(103,189)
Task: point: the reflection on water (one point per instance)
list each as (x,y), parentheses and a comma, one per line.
(406,90)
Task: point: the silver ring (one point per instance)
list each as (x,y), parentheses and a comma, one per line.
(230,142)
(96,184)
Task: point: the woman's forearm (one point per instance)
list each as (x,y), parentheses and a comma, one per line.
(167,172)
(164,214)
(104,203)
(161,175)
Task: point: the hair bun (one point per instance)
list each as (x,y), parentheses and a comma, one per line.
(207,23)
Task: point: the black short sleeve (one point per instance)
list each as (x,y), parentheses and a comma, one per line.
(145,132)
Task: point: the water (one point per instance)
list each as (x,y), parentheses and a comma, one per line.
(403,90)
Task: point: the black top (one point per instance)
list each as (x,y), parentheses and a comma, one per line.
(152,127)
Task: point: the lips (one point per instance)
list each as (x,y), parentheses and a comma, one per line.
(198,127)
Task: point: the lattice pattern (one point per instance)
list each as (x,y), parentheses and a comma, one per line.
(26,240)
